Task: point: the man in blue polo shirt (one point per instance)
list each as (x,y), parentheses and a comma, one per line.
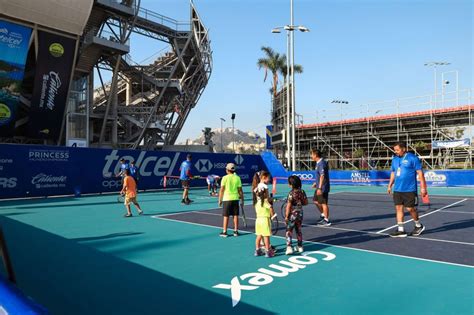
(185,177)
(405,167)
(321,195)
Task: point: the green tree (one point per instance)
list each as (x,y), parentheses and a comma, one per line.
(272,62)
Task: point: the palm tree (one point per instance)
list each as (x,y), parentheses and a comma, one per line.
(273,62)
(284,70)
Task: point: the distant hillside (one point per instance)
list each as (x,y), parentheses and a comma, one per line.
(245,142)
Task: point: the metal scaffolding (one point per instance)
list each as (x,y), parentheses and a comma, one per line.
(144,105)
(365,140)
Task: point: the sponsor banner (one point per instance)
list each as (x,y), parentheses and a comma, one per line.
(438,178)
(448,144)
(47,171)
(268,132)
(52,76)
(14,41)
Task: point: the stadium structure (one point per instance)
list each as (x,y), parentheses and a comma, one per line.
(111,100)
(365,140)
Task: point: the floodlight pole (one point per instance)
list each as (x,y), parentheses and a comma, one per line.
(222,131)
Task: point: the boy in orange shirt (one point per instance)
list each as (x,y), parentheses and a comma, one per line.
(130,191)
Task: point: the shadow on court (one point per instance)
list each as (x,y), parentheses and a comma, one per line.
(81,280)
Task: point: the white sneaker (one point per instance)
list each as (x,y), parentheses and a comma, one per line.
(300,249)
(289,250)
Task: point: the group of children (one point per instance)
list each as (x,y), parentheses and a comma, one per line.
(263,203)
(230,194)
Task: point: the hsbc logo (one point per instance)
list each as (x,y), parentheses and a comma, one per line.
(239,159)
(203,165)
(265,276)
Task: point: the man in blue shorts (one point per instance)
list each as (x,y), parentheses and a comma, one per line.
(185,176)
(405,168)
(134,171)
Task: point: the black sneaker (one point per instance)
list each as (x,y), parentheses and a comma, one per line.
(321,220)
(188,201)
(222,234)
(324,222)
(183,201)
(417,230)
(399,234)
(236,233)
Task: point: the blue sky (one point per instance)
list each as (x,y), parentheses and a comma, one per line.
(360,51)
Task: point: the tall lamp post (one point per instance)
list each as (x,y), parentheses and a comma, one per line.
(290,69)
(434,64)
(222,131)
(233,132)
(341,102)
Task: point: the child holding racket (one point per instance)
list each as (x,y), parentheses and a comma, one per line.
(264,210)
(130,191)
(294,213)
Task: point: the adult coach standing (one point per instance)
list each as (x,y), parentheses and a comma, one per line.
(405,167)
(321,195)
(185,177)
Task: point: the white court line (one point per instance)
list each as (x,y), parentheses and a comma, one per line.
(344,229)
(424,215)
(337,246)
(385,193)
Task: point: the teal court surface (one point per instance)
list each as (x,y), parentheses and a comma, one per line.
(80,256)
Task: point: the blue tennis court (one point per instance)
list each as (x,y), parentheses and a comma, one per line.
(80,256)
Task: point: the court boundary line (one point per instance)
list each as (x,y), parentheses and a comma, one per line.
(454,197)
(424,215)
(350,230)
(337,246)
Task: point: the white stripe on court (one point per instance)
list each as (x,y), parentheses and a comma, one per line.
(390,197)
(337,246)
(360,231)
(424,215)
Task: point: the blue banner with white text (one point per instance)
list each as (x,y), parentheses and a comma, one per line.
(434,178)
(14,42)
(45,171)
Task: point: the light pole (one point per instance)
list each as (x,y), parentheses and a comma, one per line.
(290,69)
(434,64)
(233,132)
(222,131)
(446,82)
(341,102)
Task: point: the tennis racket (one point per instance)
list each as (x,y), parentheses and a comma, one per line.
(275,224)
(121,199)
(244,219)
(283,207)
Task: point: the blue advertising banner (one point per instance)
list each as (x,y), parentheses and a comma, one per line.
(45,171)
(268,132)
(14,41)
(447,144)
(437,178)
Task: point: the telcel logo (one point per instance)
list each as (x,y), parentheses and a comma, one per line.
(265,276)
(6,182)
(148,166)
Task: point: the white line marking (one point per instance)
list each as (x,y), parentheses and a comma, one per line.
(424,215)
(385,193)
(362,232)
(337,246)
